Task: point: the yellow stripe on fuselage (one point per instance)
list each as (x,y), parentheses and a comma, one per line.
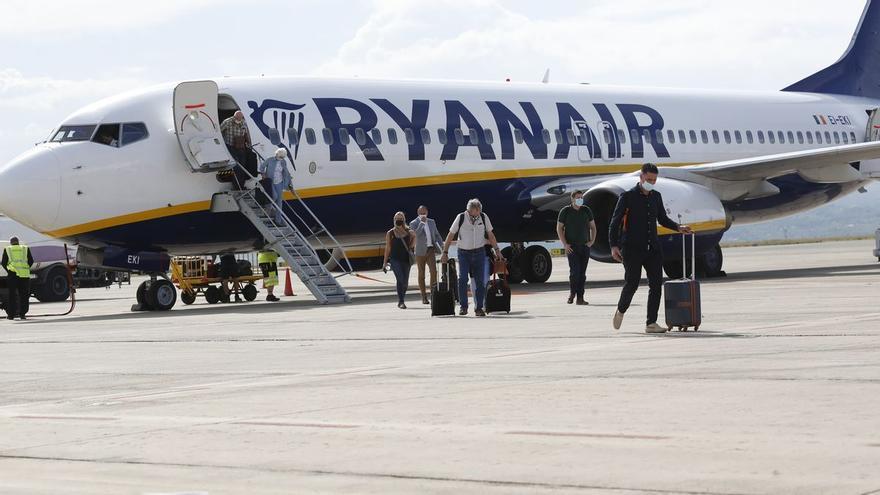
(697,227)
(379,185)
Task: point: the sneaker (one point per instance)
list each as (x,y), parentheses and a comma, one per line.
(463,312)
(582,302)
(272,298)
(479,312)
(654,328)
(401,305)
(425,300)
(571,299)
(618,319)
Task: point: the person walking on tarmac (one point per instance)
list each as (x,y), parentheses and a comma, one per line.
(17,261)
(428,243)
(634,242)
(268,261)
(399,243)
(576,229)
(275,168)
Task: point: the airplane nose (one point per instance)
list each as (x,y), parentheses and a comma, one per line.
(30,189)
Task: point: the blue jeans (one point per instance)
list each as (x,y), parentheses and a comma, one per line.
(278,199)
(401,274)
(472,262)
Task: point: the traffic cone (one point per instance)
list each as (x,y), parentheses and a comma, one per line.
(288,288)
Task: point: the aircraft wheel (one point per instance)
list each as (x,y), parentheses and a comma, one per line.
(187,297)
(161,295)
(249,292)
(710,263)
(212,294)
(56,288)
(514,266)
(142,296)
(537,265)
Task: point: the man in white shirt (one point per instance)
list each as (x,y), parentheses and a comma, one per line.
(472,229)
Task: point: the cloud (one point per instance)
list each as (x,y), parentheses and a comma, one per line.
(639,42)
(31,17)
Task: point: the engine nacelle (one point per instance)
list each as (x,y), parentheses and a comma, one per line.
(685,202)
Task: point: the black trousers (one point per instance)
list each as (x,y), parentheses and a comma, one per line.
(633,262)
(19,296)
(577,269)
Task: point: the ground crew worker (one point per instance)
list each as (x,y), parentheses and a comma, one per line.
(634,242)
(275,168)
(576,229)
(268,261)
(17,261)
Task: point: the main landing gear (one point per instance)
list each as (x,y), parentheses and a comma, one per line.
(156,294)
(532,264)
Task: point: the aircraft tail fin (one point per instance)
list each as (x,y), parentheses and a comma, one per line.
(857,72)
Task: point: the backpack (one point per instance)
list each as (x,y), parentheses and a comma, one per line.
(460,221)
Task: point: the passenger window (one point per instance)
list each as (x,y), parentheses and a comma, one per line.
(827,137)
(134,132)
(344,137)
(441,136)
(761,137)
(749,137)
(852,136)
(426,135)
(727,137)
(475,138)
(658,136)
(487,135)
(670,136)
(572,139)
(392,136)
(291,136)
(682,138)
(634,134)
(800,136)
(546,135)
(107,134)
(771,137)
(410,136)
(845,138)
(715,138)
(377,136)
(558,134)
(606,135)
(737,136)
(790,137)
(693,136)
(328,136)
(360,137)
(583,135)
(781,137)
(647,136)
(310,136)
(621,136)
(704,136)
(518,136)
(459,137)
(836,138)
(818,137)
(809,137)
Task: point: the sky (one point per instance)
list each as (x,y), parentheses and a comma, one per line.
(58,56)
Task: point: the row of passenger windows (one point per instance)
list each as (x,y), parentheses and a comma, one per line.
(568,136)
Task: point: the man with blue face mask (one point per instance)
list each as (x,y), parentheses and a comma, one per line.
(634,242)
(576,229)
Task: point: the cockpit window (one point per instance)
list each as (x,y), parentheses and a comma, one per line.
(132,132)
(107,134)
(67,133)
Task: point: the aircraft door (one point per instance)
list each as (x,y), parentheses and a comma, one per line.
(609,141)
(871,168)
(196,122)
(583,141)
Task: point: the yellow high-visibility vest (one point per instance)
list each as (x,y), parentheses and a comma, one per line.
(18,260)
(267,257)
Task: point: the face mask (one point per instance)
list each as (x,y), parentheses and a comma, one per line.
(399,223)
(647,186)
(579,202)
(423,217)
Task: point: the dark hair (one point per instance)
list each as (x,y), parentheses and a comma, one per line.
(650,168)
(575,193)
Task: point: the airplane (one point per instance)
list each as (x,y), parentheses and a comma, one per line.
(131,179)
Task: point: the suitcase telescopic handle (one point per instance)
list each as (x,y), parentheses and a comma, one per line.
(693,275)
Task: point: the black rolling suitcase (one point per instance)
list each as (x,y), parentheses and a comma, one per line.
(450,276)
(683,295)
(442,295)
(497,296)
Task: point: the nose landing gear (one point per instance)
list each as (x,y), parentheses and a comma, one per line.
(156,294)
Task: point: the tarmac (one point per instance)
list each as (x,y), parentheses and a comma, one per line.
(779,391)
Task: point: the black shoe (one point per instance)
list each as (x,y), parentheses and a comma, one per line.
(582,302)
(463,312)
(272,298)
(479,312)
(401,305)
(22,317)
(10,317)
(425,300)
(571,299)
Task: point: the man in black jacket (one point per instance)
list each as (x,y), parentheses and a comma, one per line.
(634,242)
